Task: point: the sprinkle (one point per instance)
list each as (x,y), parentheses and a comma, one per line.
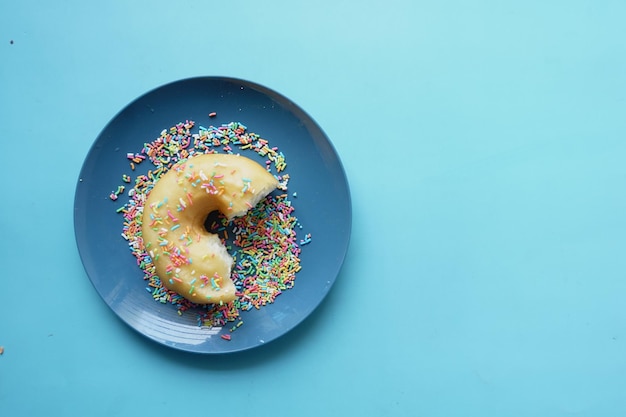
(212,114)
(225,336)
(265,246)
(306,240)
(171,216)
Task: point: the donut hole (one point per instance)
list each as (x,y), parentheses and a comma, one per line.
(214,221)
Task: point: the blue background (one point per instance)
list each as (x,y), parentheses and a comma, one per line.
(484,143)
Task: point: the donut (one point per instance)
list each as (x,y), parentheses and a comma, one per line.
(188,259)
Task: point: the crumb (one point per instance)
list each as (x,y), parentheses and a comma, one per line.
(11,42)
(1,350)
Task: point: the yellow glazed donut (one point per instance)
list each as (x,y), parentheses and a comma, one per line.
(188,259)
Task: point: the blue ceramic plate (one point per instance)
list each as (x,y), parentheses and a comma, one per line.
(322,206)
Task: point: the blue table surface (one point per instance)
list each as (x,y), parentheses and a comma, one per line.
(484,143)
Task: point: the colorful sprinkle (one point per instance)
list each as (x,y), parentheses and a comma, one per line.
(263,242)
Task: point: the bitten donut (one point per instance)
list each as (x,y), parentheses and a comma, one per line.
(188,259)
